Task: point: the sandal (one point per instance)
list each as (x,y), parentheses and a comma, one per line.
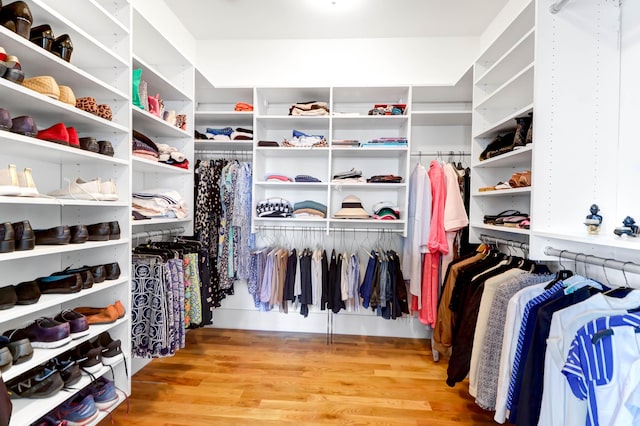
(525,179)
(491,219)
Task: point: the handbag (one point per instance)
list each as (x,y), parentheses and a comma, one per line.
(154,105)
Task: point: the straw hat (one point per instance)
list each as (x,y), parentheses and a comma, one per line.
(67,96)
(44,84)
(352,209)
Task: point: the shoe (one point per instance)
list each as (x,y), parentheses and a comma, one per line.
(78,323)
(21,349)
(109,190)
(60,284)
(119,309)
(528,140)
(73,137)
(99,273)
(85,273)
(88,104)
(111,349)
(17,17)
(45,333)
(24,125)
(5,117)
(13,70)
(25,238)
(89,358)
(114,230)
(89,144)
(104,111)
(78,411)
(42,35)
(112,270)
(79,234)
(6,359)
(3,58)
(103,392)
(58,235)
(80,190)
(68,369)
(106,148)
(8,297)
(63,47)
(99,231)
(9,183)
(45,85)
(40,382)
(27,184)
(28,293)
(106,315)
(7,238)
(57,133)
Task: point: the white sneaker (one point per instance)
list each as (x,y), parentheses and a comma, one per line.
(80,190)
(109,191)
(9,181)
(27,184)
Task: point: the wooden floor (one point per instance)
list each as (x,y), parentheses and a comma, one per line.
(265,378)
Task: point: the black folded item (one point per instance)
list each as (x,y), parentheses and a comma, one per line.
(385,179)
(268,143)
(497,146)
(243,130)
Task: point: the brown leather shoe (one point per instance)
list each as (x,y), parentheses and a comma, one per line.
(56,235)
(99,231)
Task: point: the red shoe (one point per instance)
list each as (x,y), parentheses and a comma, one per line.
(73,137)
(56,133)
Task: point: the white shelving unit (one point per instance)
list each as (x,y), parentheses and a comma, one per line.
(99,67)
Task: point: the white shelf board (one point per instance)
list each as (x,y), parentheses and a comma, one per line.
(517,87)
(46,250)
(211,145)
(504,229)
(152,126)
(462,91)
(145,165)
(515,159)
(371,94)
(368,186)
(369,152)
(507,65)
(25,146)
(102,21)
(224,118)
(503,192)
(441,118)
(25,101)
(290,122)
(601,240)
(26,410)
(163,221)
(291,152)
(145,36)
(505,124)
(50,300)
(287,221)
(292,184)
(60,202)
(383,223)
(345,122)
(157,83)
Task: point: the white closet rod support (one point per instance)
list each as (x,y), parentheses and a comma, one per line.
(557,6)
(488,239)
(594,260)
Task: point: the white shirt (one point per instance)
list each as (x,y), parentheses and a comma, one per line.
(627,411)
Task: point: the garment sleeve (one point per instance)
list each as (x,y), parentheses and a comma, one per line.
(573,370)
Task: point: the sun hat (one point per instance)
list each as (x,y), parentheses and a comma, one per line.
(44,84)
(352,209)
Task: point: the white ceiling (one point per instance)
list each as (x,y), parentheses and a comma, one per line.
(282,19)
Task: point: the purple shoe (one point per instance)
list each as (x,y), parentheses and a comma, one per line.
(5,119)
(43,333)
(24,125)
(77,322)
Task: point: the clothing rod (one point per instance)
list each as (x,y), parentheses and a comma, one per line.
(557,6)
(303,228)
(231,151)
(488,239)
(169,232)
(440,153)
(594,260)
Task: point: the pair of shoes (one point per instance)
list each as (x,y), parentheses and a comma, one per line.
(101,147)
(16,237)
(45,333)
(104,231)
(61,235)
(23,125)
(17,183)
(42,35)
(60,134)
(95,190)
(105,315)
(25,293)
(14,351)
(520,179)
(17,17)
(90,105)
(79,410)
(39,382)
(10,68)
(61,284)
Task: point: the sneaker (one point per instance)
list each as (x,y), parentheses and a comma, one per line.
(9,184)
(103,391)
(77,322)
(88,358)
(40,382)
(27,184)
(80,190)
(109,191)
(45,333)
(68,369)
(111,349)
(78,411)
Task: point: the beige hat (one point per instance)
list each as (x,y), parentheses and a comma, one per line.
(44,84)
(351,209)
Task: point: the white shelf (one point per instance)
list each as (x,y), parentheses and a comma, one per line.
(504,124)
(224,118)
(368,186)
(46,250)
(152,126)
(518,87)
(61,202)
(515,59)
(291,152)
(145,165)
(24,146)
(505,229)
(503,192)
(292,185)
(515,159)
(102,21)
(441,118)
(369,152)
(382,223)
(239,145)
(291,122)
(163,221)
(157,83)
(609,240)
(377,122)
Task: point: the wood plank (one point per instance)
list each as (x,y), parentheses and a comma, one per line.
(236,377)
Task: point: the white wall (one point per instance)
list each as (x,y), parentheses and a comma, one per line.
(336,62)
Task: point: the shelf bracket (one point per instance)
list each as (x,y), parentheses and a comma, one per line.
(557,6)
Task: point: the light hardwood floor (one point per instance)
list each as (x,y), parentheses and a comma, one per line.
(266,378)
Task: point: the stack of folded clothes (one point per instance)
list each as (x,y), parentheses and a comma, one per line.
(346,142)
(388,109)
(385,179)
(226,134)
(144,147)
(386,210)
(274,207)
(312,108)
(243,106)
(306,178)
(394,141)
(349,176)
(170,155)
(277,177)
(309,208)
(159,203)
(509,218)
(303,140)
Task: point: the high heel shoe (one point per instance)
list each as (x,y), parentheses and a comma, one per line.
(17,17)
(63,47)
(42,35)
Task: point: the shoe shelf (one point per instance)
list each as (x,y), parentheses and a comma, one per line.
(153,127)
(514,60)
(14,144)
(158,83)
(503,124)
(27,411)
(212,145)
(102,21)
(145,165)
(441,118)
(47,250)
(516,159)
(293,185)
(505,229)
(62,202)
(503,192)
(140,223)
(518,87)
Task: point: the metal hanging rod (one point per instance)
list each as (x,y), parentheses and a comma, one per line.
(221,151)
(315,229)
(488,239)
(557,6)
(594,260)
(163,233)
(440,153)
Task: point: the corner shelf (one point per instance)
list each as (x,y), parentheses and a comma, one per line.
(145,165)
(152,126)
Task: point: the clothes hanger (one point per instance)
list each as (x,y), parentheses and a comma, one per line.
(562,274)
